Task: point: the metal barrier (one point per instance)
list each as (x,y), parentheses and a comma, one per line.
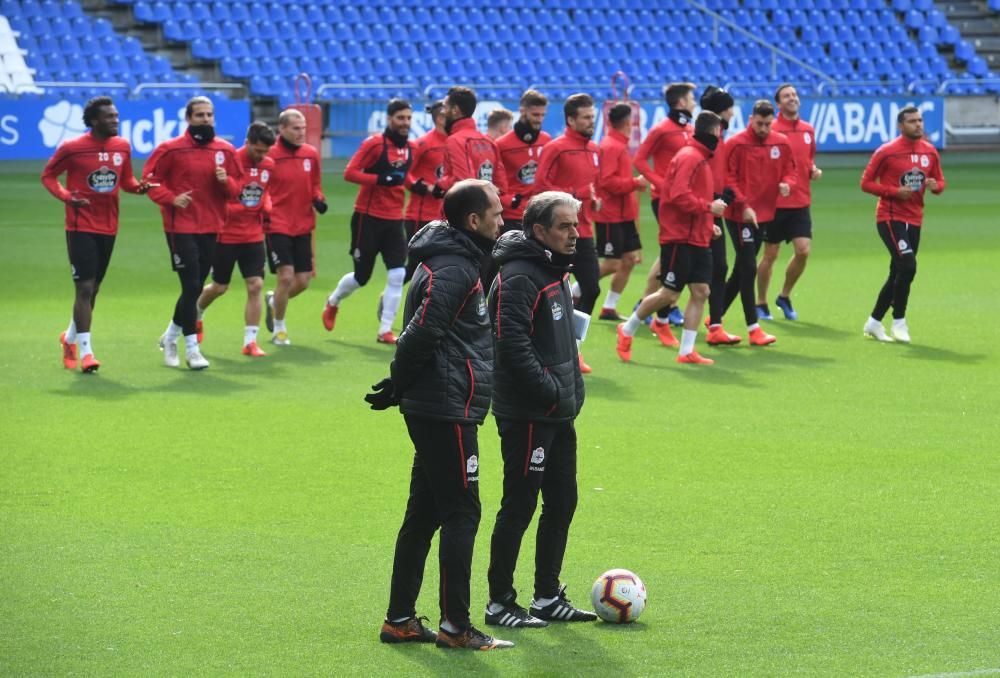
(190,85)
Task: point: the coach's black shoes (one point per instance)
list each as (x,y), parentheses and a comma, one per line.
(470,639)
(410,630)
(561,609)
(513,616)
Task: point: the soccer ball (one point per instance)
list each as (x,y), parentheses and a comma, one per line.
(619,596)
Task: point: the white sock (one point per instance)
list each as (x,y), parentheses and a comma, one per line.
(201,311)
(345,288)
(632,325)
(191,343)
(279,326)
(449,627)
(542,602)
(687,341)
(390,298)
(751,328)
(493,608)
(399,620)
(611,301)
(71,332)
(83,344)
(899,322)
(173,331)
(250,334)
(575,290)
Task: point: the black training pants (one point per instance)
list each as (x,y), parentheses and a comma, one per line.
(902,241)
(444,493)
(746,241)
(587,271)
(717,290)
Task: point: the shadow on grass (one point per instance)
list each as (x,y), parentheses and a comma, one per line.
(798,328)
(97,386)
(941,354)
(608,388)
(304,355)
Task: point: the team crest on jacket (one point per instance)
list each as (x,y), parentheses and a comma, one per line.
(924,161)
(807,138)
(103,180)
(220,158)
(775,152)
(264,176)
(526,175)
(307,165)
(251,194)
(913,180)
(557,311)
(485,171)
(117,159)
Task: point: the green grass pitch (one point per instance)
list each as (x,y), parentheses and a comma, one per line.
(825,506)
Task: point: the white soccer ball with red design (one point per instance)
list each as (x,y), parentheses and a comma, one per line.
(619,596)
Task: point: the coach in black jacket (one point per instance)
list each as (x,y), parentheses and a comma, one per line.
(538,395)
(442,380)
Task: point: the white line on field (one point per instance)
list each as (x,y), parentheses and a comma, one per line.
(962,674)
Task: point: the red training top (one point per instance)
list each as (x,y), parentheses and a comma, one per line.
(520,163)
(378,156)
(295,182)
(660,145)
(615,184)
(245,223)
(95,168)
(428,164)
(902,162)
(569,164)
(470,154)
(802,138)
(755,168)
(687,192)
(182,164)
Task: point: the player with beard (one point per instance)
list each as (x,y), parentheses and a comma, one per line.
(96,165)
(296,197)
(520,151)
(660,145)
(899,173)
(426,170)
(380,165)
(469,154)
(792,220)
(192,178)
(570,164)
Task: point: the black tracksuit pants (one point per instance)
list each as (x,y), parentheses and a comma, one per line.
(537,456)
(444,493)
(902,240)
(587,271)
(746,241)
(717,291)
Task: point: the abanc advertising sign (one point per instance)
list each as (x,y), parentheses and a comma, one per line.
(31,129)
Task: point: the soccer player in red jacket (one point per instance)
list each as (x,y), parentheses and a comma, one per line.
(520,151)
(469,154)
(792,221)
(618,243)
(760,168)
(427,168)
(660,145)
(899,173)
(192,178)
(570,164)
(96,165)
(241,239)
(687,208)
(380,165)
(296,197)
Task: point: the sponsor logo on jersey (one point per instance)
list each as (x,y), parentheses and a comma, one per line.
(471,465)
(526,174)
(117,159)
(775,152)
(557,311)
(251,195)
(485,171)
(914,179)
(103,180)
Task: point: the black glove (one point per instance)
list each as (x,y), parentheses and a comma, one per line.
(383,397)
(438,192)
(728,196)
(419,187)
(319,205)
(390,179)
(515,201)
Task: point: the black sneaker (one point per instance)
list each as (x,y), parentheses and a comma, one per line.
(411,630)
(514,616)
(561,609)
(470,639)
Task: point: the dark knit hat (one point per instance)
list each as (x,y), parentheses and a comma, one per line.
(716,99)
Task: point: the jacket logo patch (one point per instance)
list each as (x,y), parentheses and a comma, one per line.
(924,161)
(220,158)
(557,311)
(103,180)
(914,180)
(485,171)
(117,159)
(775,152)
(264,176)
(307,165)
(807,138)
(526,175)
(481,308)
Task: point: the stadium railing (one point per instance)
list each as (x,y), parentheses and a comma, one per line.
(207,86)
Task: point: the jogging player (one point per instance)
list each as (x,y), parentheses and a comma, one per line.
(899,173)
(426,170)
(498,123)
(688,207)
(192,178)
(760,167)
(241,240)
(296,192)
(618,243)
(520,151)
(570,164)
(469,154)
(792,220)
(538,394)
(96,165)
(380,165)
(442,380)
